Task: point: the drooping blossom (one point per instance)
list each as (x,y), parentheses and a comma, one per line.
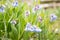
(53,17)
(32,28)
(27,13)
(36,29)
(2,9)
(28,27)
(15,3)
(37,7)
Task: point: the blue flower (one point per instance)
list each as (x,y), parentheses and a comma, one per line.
(37,7)
(15,3)
(33,28)
(28,27)
(27,13)
(1,9)
(53,17)
(36,29)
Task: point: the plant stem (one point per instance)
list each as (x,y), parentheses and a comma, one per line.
(5,26)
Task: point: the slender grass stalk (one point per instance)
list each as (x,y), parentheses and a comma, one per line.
(21,36)
(10,18)
(39,36)
(5,26)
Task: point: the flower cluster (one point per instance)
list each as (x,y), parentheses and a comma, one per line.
(32,28)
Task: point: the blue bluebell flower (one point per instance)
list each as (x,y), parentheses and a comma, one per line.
(34,9)
(2,9)
(28,27)
(53,17)
(15,3)
(37,7)
(36,29)
(33,28)
(27,13)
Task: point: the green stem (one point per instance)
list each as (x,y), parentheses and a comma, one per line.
(39,36)
(21,36)
(10,18)
(5,26)
(5,29)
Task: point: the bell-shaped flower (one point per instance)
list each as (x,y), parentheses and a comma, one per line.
(28,27)
(33,28)
(37,7)
(53,17)
(15,3)
(36,29)
(2,9)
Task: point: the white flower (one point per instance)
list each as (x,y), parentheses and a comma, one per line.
(13,22)
(27,13)
(15,3)
(53,17)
